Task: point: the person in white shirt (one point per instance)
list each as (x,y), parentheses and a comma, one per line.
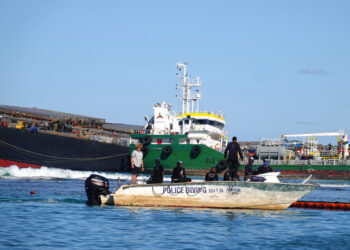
(136,162)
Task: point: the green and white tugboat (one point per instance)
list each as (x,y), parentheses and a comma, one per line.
(194,137)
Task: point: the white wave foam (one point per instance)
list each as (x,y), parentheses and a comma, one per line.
(14,172)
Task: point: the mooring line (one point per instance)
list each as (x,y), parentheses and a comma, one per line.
(62,158)
(155,193)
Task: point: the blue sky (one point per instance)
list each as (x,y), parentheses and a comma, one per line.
(272,67)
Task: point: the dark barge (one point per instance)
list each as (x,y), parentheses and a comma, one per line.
(31,137)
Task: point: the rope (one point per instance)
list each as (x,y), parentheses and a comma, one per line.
(155,193)
(190,195)
(173,193)
(62,158)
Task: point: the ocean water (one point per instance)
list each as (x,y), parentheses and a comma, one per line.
(56,216)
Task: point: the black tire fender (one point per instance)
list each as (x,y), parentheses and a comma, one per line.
(167,150)
(221,166)
(146,140)
(196,149)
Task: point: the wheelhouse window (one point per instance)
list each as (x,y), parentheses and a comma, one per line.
(202,122)
(219,125)
(208,122)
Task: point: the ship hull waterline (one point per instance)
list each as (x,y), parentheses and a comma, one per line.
(26,149)
(220,194)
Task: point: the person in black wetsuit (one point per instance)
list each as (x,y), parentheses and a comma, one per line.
(179,173)
(233,149)
(248,168)
(157,173)
(227,176)
(265,168)
(212,175)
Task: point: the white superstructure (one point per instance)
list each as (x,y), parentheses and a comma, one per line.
(201,127)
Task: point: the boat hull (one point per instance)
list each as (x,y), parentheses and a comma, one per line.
(26,149)
(247,195)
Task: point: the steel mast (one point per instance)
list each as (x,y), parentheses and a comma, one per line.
(187,83)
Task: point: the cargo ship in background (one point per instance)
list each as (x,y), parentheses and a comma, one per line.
(195,137)
(32,137)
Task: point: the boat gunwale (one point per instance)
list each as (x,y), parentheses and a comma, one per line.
(216,183)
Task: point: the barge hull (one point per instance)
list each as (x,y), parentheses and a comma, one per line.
(40,149)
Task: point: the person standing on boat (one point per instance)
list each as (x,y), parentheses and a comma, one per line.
(136,162)
(212,175)
(179,174)
(233,149)
(157,173)
(249,167)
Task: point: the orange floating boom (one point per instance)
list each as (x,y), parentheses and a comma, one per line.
(321,205)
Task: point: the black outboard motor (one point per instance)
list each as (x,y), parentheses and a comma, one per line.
(95,185)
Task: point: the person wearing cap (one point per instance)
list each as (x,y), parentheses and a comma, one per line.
(212,175)
(233,149)
(265,168)
(179,173)
(157,173)
(136,162)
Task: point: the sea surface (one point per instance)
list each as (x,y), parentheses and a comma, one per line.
(56,216)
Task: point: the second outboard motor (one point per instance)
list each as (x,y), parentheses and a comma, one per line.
(254,178)
(96,185)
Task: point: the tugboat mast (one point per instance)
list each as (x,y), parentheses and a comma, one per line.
(187,83)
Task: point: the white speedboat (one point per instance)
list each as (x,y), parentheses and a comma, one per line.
(217,194)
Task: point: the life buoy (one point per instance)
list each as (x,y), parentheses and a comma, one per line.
(167,150)
(146,140)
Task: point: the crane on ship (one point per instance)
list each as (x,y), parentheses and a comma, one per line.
(343,139)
